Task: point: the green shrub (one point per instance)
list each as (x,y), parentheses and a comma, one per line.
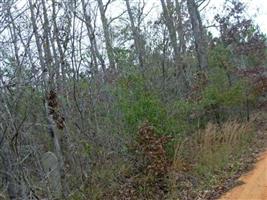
(138,105)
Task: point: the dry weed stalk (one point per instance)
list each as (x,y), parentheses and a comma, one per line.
(208,140)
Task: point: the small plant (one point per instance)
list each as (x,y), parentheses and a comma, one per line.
(147,180)
(153,149)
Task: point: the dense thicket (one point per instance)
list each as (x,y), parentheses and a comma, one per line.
(78,79)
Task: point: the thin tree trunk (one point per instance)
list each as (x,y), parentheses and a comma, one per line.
(139,47)
(171,29)
(182,83)
(199,35)
(180,28)
(10,157)
(8,163)
(51,127)
(107,35)
(92,37)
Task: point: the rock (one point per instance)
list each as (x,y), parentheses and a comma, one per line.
(52,174)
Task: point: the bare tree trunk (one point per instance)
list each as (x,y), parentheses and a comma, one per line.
(10,157)
(43,61)
(107,35)
(61,63)
(10,174)
(199,35)
(92,37)
(9,154)
(139,47)
(180,28)
(47,49)
(182,83)
(171,29)
(8,163)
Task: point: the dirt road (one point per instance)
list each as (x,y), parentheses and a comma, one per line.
(255,183)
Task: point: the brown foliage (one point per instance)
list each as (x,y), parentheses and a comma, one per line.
(148,178)
(200,82)
(53,109)
(153,148)
(261,86)
(257,78)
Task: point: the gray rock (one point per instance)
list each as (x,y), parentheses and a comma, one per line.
(52,173)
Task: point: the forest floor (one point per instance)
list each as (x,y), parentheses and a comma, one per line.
(253,184)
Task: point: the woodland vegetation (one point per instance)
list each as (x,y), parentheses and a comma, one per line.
(96,104)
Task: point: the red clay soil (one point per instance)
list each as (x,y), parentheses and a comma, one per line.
(254,183)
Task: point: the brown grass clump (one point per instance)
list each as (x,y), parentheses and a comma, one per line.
(202,159)
(230,134)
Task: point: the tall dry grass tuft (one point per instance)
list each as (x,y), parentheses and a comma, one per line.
(230,134)
(208,151)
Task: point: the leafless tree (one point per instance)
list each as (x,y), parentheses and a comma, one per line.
(199,33)
(138,42)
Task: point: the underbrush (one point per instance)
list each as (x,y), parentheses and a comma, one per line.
(187,146)
(199,163)
(208,157)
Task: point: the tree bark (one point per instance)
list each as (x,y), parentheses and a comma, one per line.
(199,35)
(182,83)
(47,86)
(171,29)
(92,37)
(180,28)
(107,35)
(139,47)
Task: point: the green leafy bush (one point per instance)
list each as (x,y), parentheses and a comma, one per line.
(138,105)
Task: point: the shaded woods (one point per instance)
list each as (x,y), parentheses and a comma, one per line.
(100,99)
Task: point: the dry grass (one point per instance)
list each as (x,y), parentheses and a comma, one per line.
(207,153)
(231,134)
